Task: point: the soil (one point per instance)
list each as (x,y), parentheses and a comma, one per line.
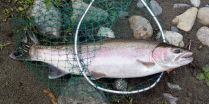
(19,86)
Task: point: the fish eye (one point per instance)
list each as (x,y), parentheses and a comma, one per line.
(177,51)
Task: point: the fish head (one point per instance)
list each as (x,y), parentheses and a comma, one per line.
(172,57)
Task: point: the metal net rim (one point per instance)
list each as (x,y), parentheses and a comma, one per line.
(82,69)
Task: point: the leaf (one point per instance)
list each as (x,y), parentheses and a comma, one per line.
(200,76)
(48,4)
(207,75)
(206,68)
(207,83)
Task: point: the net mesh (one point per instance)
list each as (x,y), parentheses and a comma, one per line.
(52,23)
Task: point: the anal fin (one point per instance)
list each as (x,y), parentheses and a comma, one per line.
(55,73)
(97,75)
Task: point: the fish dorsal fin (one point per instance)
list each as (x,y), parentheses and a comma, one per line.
(97,75)
(147,64)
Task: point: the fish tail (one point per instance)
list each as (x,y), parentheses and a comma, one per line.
(21,53)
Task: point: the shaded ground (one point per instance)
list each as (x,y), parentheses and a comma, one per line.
(19,86)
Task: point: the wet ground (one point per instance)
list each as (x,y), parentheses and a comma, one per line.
(19,86)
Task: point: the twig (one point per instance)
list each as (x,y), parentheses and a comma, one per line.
(52,97)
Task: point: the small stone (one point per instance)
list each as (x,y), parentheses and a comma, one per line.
(175,6)
(203,15)
(141,27)
(170,98)
(173,86)
(203,35)
(105,32)
(121,84)
(156,8)
(174,29)
(172,37)
(140,4)
(196,3)
(186,20)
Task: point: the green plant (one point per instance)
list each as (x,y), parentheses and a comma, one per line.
(204,76)
(3,45)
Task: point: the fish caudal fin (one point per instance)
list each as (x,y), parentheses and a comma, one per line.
(19,56)
(55,73)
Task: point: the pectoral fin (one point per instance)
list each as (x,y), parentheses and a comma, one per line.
(55,72)
(97,75)
(147,64)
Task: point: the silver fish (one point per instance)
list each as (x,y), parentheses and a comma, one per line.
(47,18)
(115,59)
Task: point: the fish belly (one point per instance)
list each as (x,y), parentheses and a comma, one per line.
(121,63)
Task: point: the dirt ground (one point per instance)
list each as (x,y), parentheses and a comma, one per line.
(19,86)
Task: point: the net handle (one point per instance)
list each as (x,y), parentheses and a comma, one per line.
(82,70)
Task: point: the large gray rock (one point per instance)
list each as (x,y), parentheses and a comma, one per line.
(172,37)
(203,35)
(79,91)
(196,3)
(141,27)
(186,20)
(94,14)
(203,15)
(47,19)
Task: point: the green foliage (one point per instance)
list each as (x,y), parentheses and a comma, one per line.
(204,76)
(3,45)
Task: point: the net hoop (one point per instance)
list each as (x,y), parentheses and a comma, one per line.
(82,70)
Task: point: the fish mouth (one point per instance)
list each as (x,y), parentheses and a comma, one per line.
(188,55)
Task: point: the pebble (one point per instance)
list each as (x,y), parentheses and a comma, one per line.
(140,4)
(173,86)
(121,84)
(156,8)
(106,32)
(175,6)
(141,27)
(203,35)
(172,37)
(203,16)
(186,20)
(196,3)
(174,29)
(170,98)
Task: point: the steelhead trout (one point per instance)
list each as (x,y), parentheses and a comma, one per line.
(115,59)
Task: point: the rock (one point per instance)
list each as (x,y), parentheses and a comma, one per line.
(203,35)
(173,86)
(175,6)
(122,14)
(173,38)
(94,14)
(186,20)
(174,29)
(140,4)
(196,3)
(156,8)
(203,15)
(47,19)
(141,27)
(121,84)
(79,91)
(105,32)
(170,98)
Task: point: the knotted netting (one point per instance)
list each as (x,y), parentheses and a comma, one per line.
(46,36)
